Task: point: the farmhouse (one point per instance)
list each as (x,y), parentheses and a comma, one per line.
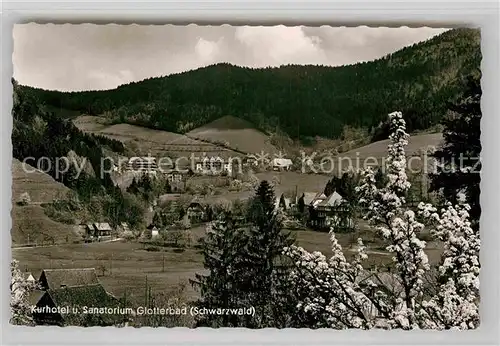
(64,294)
(57,278)
(103,229)
(97,230)
(324,210)
(72,306)
(195,212)
(330,211)
(281,164)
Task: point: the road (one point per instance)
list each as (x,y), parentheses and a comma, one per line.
(32,247)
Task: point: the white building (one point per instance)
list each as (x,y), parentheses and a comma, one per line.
(143,165)
(213,165)
(282,164)
(154,233)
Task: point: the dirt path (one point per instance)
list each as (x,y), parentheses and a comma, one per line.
(36,247)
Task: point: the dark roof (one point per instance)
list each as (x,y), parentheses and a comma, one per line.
(85,295)
(310,197)
(55,278)
(94,296)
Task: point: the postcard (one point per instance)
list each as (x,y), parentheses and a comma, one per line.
(246,176)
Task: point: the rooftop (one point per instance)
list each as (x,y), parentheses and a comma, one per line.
(57,278)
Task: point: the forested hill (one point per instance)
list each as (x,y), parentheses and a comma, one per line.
(300,100)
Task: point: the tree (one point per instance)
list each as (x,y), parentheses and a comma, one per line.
(264,265)
(20,289)
(133,187)
(220,288)
(458,160)
(345,186)
(336,293)
(158,219)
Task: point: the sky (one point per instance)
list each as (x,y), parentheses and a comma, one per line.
(71,57)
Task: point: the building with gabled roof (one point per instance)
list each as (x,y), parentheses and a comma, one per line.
(29,277)
(312,198)
(57,278)
(331,201)
(282,164)
(331,212)
(71,306)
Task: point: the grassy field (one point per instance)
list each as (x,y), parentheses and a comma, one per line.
(289,181)
(41,187)
(129,265)
(237,134)
(29,222)
(378,149)
(144,141)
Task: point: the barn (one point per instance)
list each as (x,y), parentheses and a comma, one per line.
(66,293)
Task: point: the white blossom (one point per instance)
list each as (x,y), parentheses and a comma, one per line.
(340,294)
(20,289)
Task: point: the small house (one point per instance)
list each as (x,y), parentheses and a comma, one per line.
(152,232)
(195,212)
(103,229)
(29,277)
(64,307)
(174,177)
(90,231)
(155,233)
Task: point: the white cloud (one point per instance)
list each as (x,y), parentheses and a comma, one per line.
(206,50)
(280,45)
(89,56)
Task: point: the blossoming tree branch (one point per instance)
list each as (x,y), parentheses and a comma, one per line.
(337,293)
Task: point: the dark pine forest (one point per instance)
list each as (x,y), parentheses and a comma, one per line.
(301,101)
